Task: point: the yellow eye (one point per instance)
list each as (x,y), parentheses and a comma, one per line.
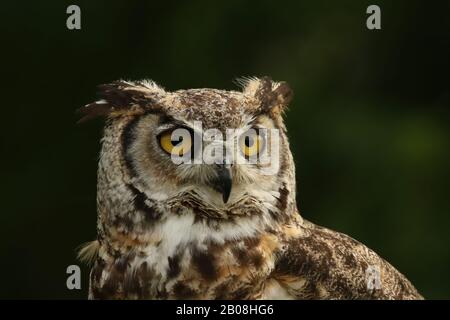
(176,142)
(251,143)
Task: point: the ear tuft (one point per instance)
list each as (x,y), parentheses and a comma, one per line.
(283,94)
(121,97)
(273,96)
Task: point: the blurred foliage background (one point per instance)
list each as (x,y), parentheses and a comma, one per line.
(369,124)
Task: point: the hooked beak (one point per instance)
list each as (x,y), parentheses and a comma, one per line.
(223,181)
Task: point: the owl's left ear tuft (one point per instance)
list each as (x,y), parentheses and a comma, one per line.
(122,97)
(273,96)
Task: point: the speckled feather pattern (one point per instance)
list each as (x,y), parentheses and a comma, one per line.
(164,233)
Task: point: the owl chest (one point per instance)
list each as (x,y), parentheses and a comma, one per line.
(235,275)
(230,273)
(240,269)
(244,283)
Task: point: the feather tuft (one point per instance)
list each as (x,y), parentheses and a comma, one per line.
(88,252)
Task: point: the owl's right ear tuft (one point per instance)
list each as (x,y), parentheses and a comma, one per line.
(274,97)
(93,110)
(122,97)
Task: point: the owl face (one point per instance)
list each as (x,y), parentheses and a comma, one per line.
(172,155)
(204,150)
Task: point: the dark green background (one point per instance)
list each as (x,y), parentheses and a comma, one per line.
(369,124)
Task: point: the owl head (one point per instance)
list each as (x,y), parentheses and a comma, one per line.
(198,152)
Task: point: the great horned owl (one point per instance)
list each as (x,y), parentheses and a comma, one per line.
(213,230)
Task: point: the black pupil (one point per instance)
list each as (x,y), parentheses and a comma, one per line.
(177,142)
(248,142)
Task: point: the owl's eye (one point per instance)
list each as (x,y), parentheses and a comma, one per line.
(176,142)
(251,143)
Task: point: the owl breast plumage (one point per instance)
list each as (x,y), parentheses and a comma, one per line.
(180,218)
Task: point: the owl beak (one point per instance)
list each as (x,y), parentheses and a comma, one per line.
(223,181)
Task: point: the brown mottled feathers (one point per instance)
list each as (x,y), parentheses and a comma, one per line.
(325,264)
